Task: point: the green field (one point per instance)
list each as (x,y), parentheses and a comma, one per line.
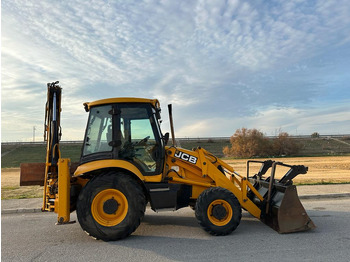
(12,154)
(323,146)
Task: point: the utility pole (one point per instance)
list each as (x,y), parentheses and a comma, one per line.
(34,133)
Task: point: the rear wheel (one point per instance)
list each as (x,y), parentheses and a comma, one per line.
(218,211)
(111,206)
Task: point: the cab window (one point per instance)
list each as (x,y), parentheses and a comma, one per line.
(99,131)
(138,142)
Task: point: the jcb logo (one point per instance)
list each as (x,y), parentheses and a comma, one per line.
(186,157)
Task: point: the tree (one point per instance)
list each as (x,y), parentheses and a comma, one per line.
(283,145)
(246,143)
(315,135)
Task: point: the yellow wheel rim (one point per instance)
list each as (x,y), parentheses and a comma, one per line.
(219,212)
(109,207)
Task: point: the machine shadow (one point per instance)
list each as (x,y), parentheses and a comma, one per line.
(176,220)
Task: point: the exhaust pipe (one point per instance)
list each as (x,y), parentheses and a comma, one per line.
(171,124)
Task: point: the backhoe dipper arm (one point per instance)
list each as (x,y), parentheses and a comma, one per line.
(52,136)
(52,133)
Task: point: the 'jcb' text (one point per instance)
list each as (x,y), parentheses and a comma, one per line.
(186,157)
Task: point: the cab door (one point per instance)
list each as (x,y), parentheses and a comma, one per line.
(140,138)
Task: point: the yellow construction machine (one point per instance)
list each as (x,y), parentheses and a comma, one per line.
(126,163)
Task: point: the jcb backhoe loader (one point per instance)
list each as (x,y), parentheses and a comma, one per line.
(125,163)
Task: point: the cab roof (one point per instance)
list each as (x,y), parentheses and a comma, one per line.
(153,102)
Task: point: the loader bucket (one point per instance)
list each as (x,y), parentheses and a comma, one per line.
(281,208)
(287,214)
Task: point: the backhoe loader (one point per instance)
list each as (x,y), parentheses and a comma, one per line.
(125,163)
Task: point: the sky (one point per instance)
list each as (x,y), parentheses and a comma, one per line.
(277,66)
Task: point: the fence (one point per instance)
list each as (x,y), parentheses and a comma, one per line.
(179,138)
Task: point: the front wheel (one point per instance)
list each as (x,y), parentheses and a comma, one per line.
(218,211)
(111,206)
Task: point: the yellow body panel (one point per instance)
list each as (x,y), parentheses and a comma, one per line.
(101,164)
(62,201)
(197,190)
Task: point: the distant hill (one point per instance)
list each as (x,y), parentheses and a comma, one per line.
(12,154)
(321,146)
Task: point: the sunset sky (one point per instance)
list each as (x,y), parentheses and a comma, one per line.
(271,65)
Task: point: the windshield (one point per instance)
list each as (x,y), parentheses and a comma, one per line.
(99,131)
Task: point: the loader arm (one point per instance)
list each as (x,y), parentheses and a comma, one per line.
(202,170)
(274,202)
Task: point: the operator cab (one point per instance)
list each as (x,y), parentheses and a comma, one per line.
(125,129)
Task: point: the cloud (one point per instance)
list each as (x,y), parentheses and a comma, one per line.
(233,59)
(271,121)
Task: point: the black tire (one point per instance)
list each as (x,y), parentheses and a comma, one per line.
(218,211)
(111,206)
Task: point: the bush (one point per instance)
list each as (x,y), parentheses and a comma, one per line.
(210,140)
(315,135)
(283,145)
(247,143)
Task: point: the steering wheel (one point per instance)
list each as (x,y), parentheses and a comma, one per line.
(144,140)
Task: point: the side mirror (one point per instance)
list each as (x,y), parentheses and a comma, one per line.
(166,138)
(158,110)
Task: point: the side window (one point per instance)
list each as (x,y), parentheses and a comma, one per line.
(137,138)
(99,131)
(141,128)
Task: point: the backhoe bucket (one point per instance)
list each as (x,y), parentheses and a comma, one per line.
(281,208)
(287,214)
(34,173)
